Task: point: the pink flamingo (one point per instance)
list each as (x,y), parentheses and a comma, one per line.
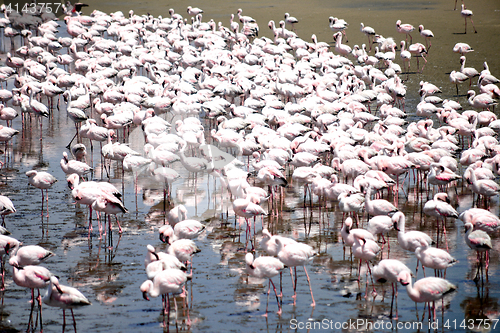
(32,277)
(183,249)
(426,290)
(405,29)
(176,214)
(439,207)
(432,257)
(29,255)
(469,71)
(164,283)
(247,209)
(187,229)
(467,13)
(109,205)
(42,180)
(485,187)
(73,166)
(388,270)
(377,206)
(342,49)
(481,101)
(6,245)
(265,267)
(462,48)
(481,219)
(480,242)
(369,32)
(457,77)
(348,233)
(365,249)
(6,208)
(293,255)
(427,34)
(170,260)
(64,297)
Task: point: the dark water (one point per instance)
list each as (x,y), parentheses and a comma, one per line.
(220,297)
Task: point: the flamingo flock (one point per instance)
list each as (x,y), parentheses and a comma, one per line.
(261,117)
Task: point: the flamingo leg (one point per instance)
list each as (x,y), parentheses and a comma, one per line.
(280,310)
(64,320)
(310,288)
(74,321)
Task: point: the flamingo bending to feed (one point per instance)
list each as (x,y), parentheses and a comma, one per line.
(388,270)
(265,267)
(166,282)
(64,297)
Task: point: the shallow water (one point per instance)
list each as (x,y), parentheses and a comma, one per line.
(220,297)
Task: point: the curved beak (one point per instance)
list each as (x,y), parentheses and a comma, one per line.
(145,295)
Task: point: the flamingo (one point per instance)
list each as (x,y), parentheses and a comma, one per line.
(457,77)
(365,249)
(64,297)
(293,255)
(32,277)
(6,207)
(432,257)
(348,233)
(6,245)
(405,28)
(183,249)
(485,187)
(409,240)
(469,71)
(187,229)
(169,260)
(480,242)
(439,207)
(369,32)
(265,267)
(42,180)
(426,290)
(342,49)
(388,270)
(427,34)
(176,215)
(467,13)
(378,206)
(109,205)
(73,166)
(247,209)
(29,255)
(165,282)
(291,20)
(194,11)
(481,101)
(462,48)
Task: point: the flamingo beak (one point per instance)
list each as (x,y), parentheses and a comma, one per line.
(162,238)
(145,295)
(396,226)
